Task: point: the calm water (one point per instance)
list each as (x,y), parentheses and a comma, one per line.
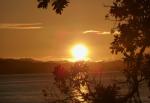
(27,88)
(23,88)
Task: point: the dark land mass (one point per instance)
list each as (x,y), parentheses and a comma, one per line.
(27,65)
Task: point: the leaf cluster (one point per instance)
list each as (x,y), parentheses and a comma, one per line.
(132,19)
(58,5)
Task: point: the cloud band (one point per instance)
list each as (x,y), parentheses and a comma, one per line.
(21,26)
(96,32)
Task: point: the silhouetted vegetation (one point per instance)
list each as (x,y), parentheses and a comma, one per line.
(131,39)
(77,85)
(58,5)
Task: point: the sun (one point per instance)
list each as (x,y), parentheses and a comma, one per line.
(79,52)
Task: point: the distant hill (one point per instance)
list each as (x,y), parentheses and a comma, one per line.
(21,66)
(27,65)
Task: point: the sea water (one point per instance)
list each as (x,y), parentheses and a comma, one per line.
(27,88)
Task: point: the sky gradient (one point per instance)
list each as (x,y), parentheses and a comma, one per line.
(29,32)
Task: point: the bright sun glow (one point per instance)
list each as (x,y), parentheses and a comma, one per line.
(79,52)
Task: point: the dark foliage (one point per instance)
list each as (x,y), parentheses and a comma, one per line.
(77,86)
(146,69)
(58,5)
(132,38)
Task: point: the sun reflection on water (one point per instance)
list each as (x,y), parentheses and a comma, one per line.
(78,93)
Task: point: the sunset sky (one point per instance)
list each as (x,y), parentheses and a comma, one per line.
(29,32)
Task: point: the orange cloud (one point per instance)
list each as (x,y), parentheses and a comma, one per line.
(21,26)
(96,32)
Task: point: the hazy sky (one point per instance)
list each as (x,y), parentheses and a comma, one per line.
(26,31)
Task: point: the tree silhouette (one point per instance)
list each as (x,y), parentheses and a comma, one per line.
(131,38)
(75,85)
(58,5)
